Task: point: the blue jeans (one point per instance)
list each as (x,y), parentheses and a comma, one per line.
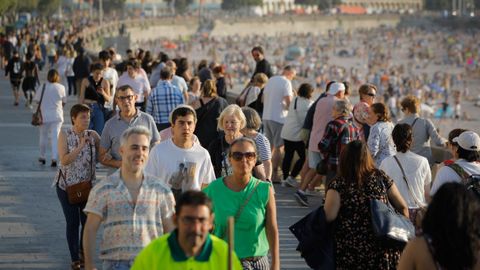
(97,119)
(74,216)
(117,265)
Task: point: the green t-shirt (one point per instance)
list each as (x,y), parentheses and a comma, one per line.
(250,236)
(166,253)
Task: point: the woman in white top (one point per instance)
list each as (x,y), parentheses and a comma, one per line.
(293,142)
(252,92)
(416,168)
(54,99)
(380,141)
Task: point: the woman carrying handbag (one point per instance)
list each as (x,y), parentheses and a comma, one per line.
(77,148)
(51,99)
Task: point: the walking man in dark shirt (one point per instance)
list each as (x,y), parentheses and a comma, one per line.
(263,66)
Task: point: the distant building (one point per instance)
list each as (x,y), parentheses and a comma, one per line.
(386,5)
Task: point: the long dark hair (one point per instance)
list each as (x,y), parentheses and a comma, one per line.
(453,223)
(355,162)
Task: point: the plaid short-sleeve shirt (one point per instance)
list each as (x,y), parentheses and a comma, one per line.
(129,227)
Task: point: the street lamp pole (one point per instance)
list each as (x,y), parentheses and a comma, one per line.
(100,11)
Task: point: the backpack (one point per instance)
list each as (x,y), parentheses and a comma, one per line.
(471,181)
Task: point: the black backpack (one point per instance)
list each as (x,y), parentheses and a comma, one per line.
(471,181)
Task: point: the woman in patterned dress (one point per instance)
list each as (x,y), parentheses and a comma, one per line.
(347,203)
(77,147)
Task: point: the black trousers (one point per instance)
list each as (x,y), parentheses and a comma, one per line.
(290,148)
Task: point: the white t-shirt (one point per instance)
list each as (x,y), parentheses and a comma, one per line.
(252,95)
(276,89)
(185,169)
(417,171)
(54,96)
(448,175)
(295,119)
(111,75)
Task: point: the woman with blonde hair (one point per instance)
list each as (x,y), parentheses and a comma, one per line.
(208,108)
(231,121)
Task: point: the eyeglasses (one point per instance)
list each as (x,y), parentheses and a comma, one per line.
(188,220)
(238,156)
(371,94)
(129,97)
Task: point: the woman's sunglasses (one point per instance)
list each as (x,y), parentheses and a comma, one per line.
(238,156)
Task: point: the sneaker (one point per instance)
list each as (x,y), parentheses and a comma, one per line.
(53,164)
(301,198)
(313,193)
(41,161)
(291,182)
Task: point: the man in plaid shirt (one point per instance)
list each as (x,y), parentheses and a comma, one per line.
(339,132)
(163,99)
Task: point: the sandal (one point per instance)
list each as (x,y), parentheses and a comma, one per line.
(76,265)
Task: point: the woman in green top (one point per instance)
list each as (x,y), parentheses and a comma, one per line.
(252,203)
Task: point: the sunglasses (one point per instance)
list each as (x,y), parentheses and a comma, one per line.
(238,156)
(129,97)
(371,94)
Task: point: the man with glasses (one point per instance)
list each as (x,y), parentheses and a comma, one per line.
(134,207)
(190,245)
(181,162)
(128,116)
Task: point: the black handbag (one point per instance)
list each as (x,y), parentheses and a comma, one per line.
(316,239)
(388,225)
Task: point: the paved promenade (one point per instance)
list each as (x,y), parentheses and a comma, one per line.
(32,227)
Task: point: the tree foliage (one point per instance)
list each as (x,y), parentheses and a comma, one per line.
(307,2)
(180,5)
(110,5)
(26,5)
(6,6)
(438,4)
(48,7)
(235,4)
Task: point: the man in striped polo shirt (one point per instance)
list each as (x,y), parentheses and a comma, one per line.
(133,207)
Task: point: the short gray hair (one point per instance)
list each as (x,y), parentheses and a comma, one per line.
(137,130)
(253,119)
(343,106)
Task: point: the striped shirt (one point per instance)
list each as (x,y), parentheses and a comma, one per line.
(338,133)
(164,98)
(129,227)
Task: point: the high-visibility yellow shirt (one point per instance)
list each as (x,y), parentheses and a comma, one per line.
(165,253)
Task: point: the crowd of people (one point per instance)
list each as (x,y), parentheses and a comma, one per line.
(181,160)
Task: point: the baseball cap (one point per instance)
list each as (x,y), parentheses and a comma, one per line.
(468,140)
(335,88)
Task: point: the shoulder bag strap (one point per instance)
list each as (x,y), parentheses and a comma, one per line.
(41,98)
(239,211)
(406,182)
(295,105)
(414,121)
(91,161)
(460,171)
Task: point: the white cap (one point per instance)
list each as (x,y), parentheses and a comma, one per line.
(468,140)
(335,88)
(170,116)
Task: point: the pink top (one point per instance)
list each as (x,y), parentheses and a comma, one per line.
(321,117)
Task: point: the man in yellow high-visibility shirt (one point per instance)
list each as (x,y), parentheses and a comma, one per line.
(190,245)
